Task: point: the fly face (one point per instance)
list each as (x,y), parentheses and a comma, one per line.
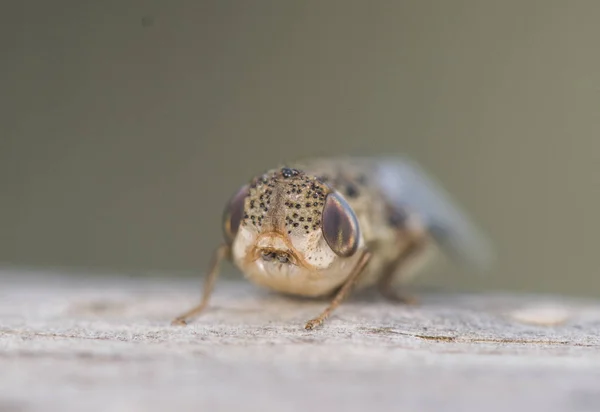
(290,232)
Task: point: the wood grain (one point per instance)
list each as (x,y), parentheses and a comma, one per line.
(105,344)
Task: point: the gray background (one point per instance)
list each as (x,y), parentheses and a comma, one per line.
(125,125)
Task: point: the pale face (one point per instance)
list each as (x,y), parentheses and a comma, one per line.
(301,265)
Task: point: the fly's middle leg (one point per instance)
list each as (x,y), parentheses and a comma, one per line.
(407,255)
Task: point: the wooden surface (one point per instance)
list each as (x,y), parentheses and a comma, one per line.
(105,344)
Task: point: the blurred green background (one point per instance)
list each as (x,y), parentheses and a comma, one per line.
(125,125)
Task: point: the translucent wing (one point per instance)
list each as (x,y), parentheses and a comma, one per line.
(408,185)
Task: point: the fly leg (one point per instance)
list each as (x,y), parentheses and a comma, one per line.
(343,292)
(407,255)
(220,254)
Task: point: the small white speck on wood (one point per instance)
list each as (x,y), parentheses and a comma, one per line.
(543,314)
(74,343)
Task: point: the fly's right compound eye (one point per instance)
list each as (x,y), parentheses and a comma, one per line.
(233,214)
(340,226)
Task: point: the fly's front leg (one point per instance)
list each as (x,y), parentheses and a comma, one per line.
(223,252)
(343,292)
(407,255)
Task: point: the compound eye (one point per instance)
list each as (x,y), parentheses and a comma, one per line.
(233,213)
(340,226)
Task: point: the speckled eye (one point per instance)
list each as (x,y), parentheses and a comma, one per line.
(340,226)
(233,214)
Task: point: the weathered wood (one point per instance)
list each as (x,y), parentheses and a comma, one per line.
(105,343)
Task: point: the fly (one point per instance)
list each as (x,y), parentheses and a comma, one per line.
(325,227)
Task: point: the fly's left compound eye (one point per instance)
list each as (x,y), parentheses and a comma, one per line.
(233,213)
(340,226)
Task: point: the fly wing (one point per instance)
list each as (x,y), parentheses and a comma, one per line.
(408,186)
